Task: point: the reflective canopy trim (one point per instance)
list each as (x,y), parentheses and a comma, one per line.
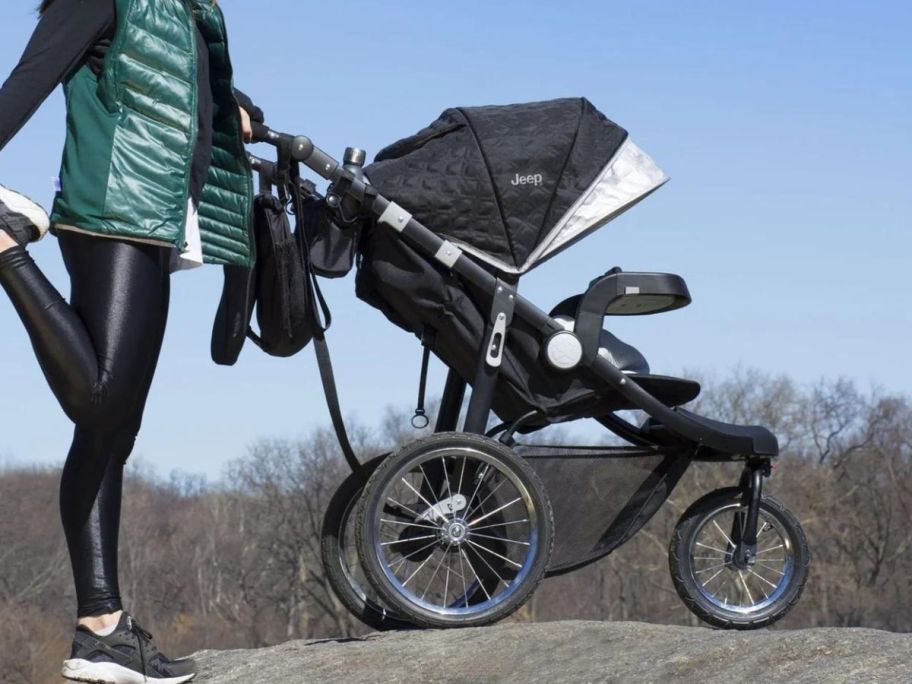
(628,178)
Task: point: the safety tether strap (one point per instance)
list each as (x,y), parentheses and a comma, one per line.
(420,420)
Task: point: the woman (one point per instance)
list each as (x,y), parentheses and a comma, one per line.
(154,178)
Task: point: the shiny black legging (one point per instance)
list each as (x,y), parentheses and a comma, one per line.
(98,354)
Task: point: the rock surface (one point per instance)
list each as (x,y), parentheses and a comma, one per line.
(575,652)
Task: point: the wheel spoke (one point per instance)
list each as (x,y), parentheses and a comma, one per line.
(417,515)
(751,598)
(417,570)
(430,486)
(411,539)
(484,475)
(503,524)
(461,474)
(780,546)
(503,539)
(718,527)
(771,569)
(496,510)
(711,548)
(446,477)
(477,578)
(494,553)
(421,496)
(496,574)
(409,524)
(724,585)
(446,580)
(711,567)
(483,501)
(760,577)
(443,557)
(719,572)
(465,589)
(413,553)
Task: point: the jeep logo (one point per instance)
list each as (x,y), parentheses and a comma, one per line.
(533,179)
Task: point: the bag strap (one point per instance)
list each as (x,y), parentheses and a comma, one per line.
(322,321)
(328,378)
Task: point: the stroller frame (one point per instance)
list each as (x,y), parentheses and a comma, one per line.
(668,430)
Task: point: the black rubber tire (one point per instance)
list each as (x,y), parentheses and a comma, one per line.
(679,562)
(371,501)
(343,505)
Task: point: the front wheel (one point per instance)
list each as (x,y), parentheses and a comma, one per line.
(707,577)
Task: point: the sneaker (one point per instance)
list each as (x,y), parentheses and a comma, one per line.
(21,218)
(126,656)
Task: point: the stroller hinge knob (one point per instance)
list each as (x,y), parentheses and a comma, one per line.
(563,350)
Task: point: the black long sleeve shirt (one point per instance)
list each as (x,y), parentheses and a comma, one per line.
(71,33)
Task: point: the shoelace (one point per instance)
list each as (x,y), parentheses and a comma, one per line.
(141,634)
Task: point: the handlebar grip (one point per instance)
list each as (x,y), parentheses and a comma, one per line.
(264,134)
(299,147)
(260,131)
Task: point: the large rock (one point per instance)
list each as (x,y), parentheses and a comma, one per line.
(575,652)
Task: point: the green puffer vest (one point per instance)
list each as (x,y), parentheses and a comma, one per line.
(131,134)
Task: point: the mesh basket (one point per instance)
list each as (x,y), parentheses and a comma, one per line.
(601,496)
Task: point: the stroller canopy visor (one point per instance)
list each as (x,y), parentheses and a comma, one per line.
(514,185)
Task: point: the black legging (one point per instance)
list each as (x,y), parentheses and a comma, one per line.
(98,354)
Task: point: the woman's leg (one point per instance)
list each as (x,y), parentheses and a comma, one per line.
(94,352)
(99,355)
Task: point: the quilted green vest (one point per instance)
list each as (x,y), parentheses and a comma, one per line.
(131,134)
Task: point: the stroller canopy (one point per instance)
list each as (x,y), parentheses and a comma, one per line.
(514,185)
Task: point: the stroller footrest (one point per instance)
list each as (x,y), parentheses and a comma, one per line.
(741,440)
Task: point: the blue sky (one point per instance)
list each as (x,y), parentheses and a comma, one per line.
(784,127)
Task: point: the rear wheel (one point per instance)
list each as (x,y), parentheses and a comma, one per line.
(455,531)
(710,582)
(340,556)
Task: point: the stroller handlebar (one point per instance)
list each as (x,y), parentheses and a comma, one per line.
(299,148)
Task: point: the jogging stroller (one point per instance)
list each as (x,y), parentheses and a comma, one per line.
(457,529)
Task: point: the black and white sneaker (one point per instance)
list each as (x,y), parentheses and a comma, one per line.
(127,656)
(21,218)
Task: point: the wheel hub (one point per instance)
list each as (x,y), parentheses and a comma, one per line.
(455,532)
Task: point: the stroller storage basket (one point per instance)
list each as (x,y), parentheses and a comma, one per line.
(623,488)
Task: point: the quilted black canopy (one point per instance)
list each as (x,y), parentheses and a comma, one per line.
(499,179)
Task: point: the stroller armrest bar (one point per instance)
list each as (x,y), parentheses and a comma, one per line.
(625,294)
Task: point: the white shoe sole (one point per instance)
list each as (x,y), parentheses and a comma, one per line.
(23,205)
(111,673)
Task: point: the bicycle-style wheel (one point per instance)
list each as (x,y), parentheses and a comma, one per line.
(454,531)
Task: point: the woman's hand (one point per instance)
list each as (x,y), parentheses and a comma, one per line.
(245,125)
